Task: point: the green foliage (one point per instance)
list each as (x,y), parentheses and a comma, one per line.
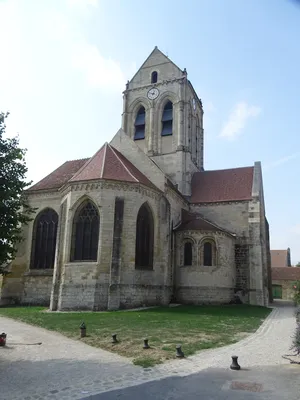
(14,209)
(194,327)
(296,340)
(298,264)
(296,288)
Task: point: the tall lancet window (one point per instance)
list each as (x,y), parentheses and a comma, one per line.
(167,120)
(140,124)
(44,239)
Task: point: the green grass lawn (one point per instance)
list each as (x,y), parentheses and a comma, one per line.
(194,327)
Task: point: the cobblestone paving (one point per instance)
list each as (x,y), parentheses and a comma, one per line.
(61,368)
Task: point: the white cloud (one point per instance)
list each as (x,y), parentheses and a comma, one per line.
(98,70)
(281,161)
(238,118)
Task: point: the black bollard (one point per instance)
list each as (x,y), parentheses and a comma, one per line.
(114,338)
(146,345)
(179,352)
(234,365)
(82,330)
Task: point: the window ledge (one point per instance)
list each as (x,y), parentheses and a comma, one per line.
(144,268)
(39,272)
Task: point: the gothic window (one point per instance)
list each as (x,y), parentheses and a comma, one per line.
(85,233)
(44,239)
(167,120)
(154,77)
(144,238)
(140,123)
(188,253)
(208,251)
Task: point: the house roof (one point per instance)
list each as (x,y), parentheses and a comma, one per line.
(279,258)
(191,222)
(60,176)
(108,163)
(285,274)
(222,185)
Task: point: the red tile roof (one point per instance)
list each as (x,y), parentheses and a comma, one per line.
(60,176)
(107,163)
(285,274)
(222,185)
(190,222)
(279,258)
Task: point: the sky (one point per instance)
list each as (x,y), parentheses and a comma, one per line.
(65,63)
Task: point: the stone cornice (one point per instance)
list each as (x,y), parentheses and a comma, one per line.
(218,203)
(150,85)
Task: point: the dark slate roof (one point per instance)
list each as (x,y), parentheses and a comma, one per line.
(222,185)
(195,222)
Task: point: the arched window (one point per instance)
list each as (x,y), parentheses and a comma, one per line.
(44,239)
(188,253)
(154,77)
(140,123)
(208,254)
(167,120)
(144,238)
(85,233)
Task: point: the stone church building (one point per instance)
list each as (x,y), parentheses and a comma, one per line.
(142,222)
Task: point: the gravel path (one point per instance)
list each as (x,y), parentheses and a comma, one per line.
(62,368)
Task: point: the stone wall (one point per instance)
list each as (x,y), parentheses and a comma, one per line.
(205,284)
(13,284)
(287,289)
(37,287)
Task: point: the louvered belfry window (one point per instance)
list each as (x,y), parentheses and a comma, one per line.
(167,120)
(140,124)
(44,239)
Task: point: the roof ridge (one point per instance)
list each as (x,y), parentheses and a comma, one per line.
(225,169)
(103,161)
(85,164)
(113,150)
(77,159)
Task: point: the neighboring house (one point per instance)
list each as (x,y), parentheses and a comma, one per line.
(282,282)
(141,222)
(281,258)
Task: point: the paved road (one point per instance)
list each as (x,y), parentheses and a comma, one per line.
(62,368)
(267,383)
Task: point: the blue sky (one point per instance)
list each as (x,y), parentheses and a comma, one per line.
(65,63)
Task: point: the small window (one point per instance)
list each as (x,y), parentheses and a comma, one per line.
(154,77)
(167,120)
(140,124)
(207,254)
(188,253)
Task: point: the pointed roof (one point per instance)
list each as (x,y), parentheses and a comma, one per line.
(60,176)
(233,184)
(158,54)
(109,163)
(195,222)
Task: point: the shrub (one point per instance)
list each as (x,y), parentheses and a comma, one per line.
(296,340)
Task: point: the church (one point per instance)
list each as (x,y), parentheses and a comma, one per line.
(142,222)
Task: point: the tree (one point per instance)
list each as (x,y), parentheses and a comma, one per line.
(298,264)
(14,208)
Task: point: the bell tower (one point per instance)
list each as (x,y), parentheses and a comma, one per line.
(164,116)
